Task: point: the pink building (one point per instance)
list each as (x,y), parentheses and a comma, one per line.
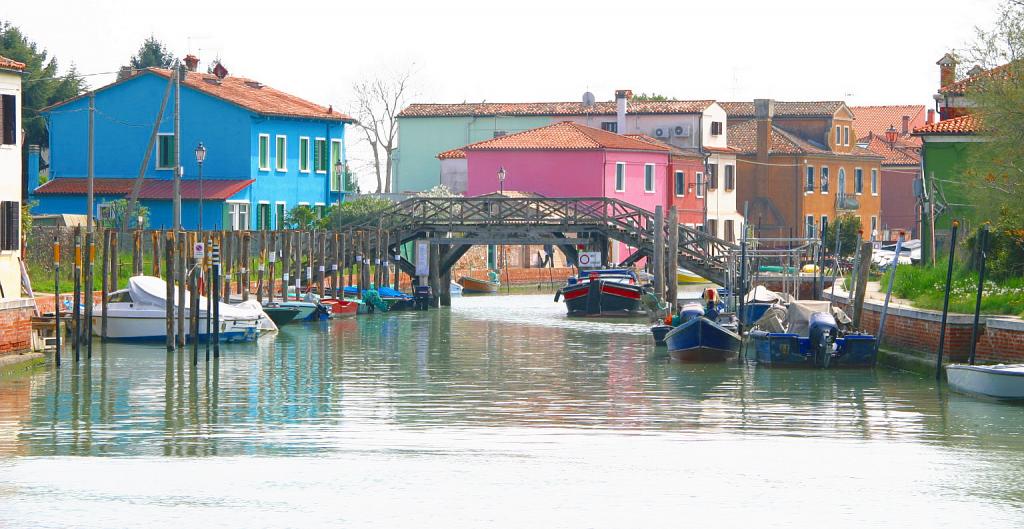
(571,160)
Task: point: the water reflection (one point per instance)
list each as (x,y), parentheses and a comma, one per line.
(503,362)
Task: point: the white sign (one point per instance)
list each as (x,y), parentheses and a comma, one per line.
(198,250)
(590,259)
(422,258)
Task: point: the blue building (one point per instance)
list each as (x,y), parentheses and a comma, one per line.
(266,151)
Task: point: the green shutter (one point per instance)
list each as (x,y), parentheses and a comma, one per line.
(264,154)
(304,154)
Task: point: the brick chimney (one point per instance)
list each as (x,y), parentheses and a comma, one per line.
(906,124)
(191,62)
(764,111)
(931,116)
(622,98)
(947,70)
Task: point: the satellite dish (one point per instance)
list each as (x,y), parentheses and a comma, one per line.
(588,99)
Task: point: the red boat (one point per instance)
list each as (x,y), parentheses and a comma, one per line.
(340,308)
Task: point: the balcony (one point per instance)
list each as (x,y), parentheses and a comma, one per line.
(846,202)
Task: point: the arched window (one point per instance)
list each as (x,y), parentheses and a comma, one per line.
(841,189)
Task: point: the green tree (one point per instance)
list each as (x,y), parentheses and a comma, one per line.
(152,54)
(118,211)
(654,96)
(366,207)
(42,84)
(848,226)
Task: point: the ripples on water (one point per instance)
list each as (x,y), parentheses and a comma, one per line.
(500,399)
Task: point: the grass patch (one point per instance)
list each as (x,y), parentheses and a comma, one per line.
(42,276)
(925,287)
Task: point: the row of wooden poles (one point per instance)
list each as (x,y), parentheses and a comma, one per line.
(219,265)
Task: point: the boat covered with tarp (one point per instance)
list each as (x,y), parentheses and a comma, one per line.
(810,333)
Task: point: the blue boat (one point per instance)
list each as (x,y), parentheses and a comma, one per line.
(811,339)
(699,339)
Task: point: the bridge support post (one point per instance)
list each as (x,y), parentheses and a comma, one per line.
(672,257)
(658,258)
(435,276)
(445,276)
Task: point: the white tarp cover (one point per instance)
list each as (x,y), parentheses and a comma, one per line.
(149,290)
(760,294)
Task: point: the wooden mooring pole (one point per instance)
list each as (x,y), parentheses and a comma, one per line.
(982,255)
(672,258)
(90,258)
(169,246)
(76,315)
(105,284)
(945,298)
(861,282)
(657,264)
(56,300)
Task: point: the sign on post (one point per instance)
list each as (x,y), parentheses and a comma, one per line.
(198,250)
(590,259)
(422,258)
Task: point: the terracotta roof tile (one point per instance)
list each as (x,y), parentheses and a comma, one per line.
(962,86)
(11,64)
(877,119)
(676,151)
(246,93)
(901,153)
(419,110)
(151,189)
(783,109)
(453,154)
(743,139)
(565,135)
(968,124)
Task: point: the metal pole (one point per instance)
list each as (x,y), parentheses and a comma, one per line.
(982,256)
(56,299)
(216,300)
(945,300)
(90,166)
(888,293)
(177,148)
(200,196)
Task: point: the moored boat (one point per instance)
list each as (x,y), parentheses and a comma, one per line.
(472,285)
(139,313)
(340,308)
(805,333)
(687,277)
(281,315)
(1003,381)
(612,292)
(700,339)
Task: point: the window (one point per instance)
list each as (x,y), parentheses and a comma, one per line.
(713,176)
(716,128)
(165,151)
(649,178)
(320,155)
(280,214)
(846,136)
(610,126)
(809,226)
(8,116)
(841,182)
(874,225)
(264,152)
(700,185)
(10,224)
(320,209)
(730,230)
(303,154)
(713,227)
(858,180)
(824,223)
(620,177)
(680,183)
(874,182)
(730,177)
(839,138)
(809,181)
(499,133)
(281,153)
(824,180)
(238,212)
(263,216)
(335,160)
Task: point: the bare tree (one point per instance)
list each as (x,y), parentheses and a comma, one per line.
(378,102)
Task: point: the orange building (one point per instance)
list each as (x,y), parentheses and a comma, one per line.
(798,163)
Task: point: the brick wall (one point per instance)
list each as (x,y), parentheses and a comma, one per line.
(15,325)
(917,330)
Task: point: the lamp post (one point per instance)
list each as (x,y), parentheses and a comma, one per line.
(342,188)
(501,180)
(200,156)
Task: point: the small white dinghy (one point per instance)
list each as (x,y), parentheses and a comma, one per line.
(138,313)
(1003,381)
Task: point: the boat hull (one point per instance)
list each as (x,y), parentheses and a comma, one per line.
(340,308)
(153,327)
(281,315)
(702,340)
(686,277)
(602,298)
(478,286)
(998,382)
(791,350)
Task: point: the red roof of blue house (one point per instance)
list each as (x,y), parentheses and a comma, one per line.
(151,189)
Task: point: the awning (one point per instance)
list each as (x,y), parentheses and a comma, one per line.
(151,189)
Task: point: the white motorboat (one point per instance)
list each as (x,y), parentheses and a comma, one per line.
(455,290)
(139,313)
(1002,381)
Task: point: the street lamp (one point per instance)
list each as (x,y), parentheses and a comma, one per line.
(338,167)
(501,180)
(200,156)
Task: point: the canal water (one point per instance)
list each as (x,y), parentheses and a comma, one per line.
(499,412)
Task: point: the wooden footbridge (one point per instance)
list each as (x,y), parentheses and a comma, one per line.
(454,225)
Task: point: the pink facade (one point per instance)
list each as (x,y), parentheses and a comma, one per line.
(570,173)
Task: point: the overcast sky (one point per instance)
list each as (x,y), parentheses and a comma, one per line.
(868,52)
